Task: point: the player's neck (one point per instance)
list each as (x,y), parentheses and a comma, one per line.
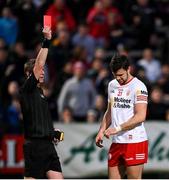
(130,77)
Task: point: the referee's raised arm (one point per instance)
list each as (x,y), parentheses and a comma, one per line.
(42,55)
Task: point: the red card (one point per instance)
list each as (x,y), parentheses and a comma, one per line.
(47,21)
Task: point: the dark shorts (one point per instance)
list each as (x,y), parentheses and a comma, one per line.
(40,156)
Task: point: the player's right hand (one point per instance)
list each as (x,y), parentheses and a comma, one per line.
(99,139)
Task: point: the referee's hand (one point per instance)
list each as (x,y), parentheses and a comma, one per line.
(56,141)
(57,137)
(47,33)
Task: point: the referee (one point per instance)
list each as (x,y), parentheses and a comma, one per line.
(41,159)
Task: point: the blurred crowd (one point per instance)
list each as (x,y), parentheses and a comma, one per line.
(86,33)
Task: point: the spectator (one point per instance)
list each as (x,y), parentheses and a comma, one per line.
(3,59)
(162,7)
(14,117)
(96,66)
(102,81)
(116,35)
(144,12)
(2,120)
(100,106)
(151,65)
(167,115)
(60,51)
(91,116)
(139,72)
(8,26)
(27,17)
(83,38)
(100,53)
(97,21)
(163,81)
(12,90)
(78,93)
(110,8)
(63,75)
(61,26)
(156,107)
(115,22)
(79,8)
(17,59)
(60,12)
(9,91)
(66,115)
(79,53)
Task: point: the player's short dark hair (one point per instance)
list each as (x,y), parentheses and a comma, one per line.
(28,66)
(118,62)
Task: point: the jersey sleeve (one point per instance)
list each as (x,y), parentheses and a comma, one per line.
(108,98)
(30,83)
(141,94)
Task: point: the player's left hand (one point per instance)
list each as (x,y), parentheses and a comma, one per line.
(110,131)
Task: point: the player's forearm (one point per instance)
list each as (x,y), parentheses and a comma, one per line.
(105,122)
(132,122)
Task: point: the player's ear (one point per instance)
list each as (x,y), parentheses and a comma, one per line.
(129,69)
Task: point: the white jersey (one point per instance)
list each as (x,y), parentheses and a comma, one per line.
(122,99)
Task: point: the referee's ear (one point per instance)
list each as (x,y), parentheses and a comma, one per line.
(26,74)
(28,67)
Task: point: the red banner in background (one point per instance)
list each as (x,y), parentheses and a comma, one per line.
(11,154)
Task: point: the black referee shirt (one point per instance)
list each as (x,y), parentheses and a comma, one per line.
(36,116)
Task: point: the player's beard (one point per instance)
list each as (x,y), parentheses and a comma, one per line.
(124,80)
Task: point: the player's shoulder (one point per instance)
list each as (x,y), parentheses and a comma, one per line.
(138,82)
(139,86)
(112,83)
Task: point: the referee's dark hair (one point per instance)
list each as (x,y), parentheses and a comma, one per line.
(28,67)
(118,62)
